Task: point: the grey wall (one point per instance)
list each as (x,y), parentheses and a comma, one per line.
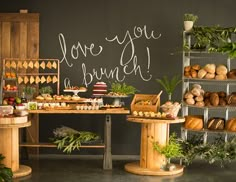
(91,22)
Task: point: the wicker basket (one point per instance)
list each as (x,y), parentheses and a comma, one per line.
(153,102)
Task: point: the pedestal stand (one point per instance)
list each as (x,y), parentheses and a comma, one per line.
(151,162)
(9,144)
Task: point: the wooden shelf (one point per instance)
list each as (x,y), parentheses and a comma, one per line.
(51,145)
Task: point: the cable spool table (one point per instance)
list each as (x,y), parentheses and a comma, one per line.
(9,143)
(152,130)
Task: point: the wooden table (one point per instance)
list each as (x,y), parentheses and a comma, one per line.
(107,159)
(9,143)
(152,130)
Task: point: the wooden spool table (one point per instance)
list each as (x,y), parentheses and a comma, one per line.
(152,130)
(9,143)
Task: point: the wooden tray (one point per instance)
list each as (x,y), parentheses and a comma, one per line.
(57,108)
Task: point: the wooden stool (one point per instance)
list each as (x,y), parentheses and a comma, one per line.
(9,143)
(153,130)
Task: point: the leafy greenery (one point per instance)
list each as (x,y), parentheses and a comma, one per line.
(216,151)
(169,84)
(122,88)
(172,149)
(29,90)
(46,90)
(190,17)
(6,174)
(68,139)
(213,39)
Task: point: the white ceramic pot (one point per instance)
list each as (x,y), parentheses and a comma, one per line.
(188,25)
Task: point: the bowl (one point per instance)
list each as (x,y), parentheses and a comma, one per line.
(20,107)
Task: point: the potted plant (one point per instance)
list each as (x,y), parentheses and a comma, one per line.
(189,20)
(173,149)
(5,172)
(169,84)
(47,90)
(28,92)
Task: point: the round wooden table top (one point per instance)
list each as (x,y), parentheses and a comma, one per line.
(145,120)
(14,122)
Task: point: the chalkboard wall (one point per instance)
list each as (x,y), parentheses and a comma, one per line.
(133,41)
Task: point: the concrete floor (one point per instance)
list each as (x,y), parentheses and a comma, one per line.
(69,169)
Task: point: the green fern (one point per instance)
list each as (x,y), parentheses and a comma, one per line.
(169,84)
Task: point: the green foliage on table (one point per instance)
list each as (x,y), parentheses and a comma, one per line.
(122,88)
(29,90)
(6,174)
(68,139)
(46,90)
(212,152)
(172,149)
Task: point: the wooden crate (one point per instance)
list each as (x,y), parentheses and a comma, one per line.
(154,99)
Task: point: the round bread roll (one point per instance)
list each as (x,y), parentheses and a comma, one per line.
(187,68)
(193,73)
(199,98)
(216,123)
(210,76)
(222,101)
(221,77)
(196,67)
(200,104)
(231,124)
(197,86)
(190,101)
(196,91)
(207,102)
(221,70)
(232,74)
(214,99)
(210,68)
(188,95)
(207,94)
(201,73)
(187,74)
(221,94)
(194,122)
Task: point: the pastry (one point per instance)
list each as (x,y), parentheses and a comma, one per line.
(188,95)
(221,94)
(199,98)
(196,91)
(197,86)
(222,101)
(193,73)
(194,122)
(216,123)
(200,103)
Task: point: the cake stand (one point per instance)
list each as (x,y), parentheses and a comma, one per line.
(75,91)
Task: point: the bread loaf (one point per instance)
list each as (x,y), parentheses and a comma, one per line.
(232,74)
(210,76)
(221,77)
(231,125)
(216,123)
(196,67)
(194,122)
(231,99)
(201,73)
(214,99)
